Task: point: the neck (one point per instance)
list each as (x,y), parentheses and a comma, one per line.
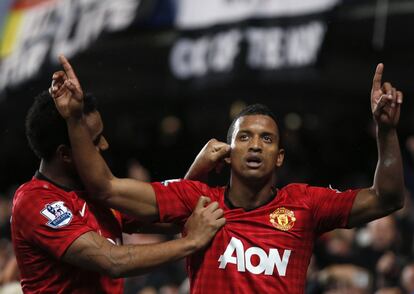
(251,195)
(60,175)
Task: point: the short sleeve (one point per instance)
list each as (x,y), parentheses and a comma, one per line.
(331,208)
(49,220)
(176,199)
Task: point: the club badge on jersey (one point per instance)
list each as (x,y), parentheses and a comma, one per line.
(57,214)
(282,219)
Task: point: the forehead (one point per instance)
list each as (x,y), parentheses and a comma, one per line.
(257,122)
(94,123)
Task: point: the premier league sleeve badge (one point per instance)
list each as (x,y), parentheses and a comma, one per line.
(57,214)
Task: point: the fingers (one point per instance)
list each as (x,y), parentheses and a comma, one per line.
(218,213)
(219,149)
(69,84)
(400,97)
(221,222)
(376,82)
(212,206)
(209,207)
(58,79)
(222,150)
(394,97)
(67,67)
(202,202)
(382,102)
(387,88)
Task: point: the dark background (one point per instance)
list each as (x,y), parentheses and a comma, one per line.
(129,74)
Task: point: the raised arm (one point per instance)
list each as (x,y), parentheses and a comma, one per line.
(127,195)
(386,194)
(212,156)
(94,252)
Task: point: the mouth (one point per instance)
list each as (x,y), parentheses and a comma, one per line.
(254,161)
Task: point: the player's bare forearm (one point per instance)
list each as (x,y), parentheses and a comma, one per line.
(93,252)
(386,195)
(127,195)
(90,164)
(197,173)
(389,179)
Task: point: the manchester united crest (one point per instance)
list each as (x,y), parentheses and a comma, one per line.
(282,219)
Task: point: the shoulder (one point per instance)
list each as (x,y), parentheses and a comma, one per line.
(296,188)
(307,189)
(184,184)
(36,193)
(187,189)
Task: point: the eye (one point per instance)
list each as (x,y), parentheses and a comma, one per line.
(267,138)
(243,137)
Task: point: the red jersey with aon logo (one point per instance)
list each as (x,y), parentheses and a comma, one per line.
(265,250)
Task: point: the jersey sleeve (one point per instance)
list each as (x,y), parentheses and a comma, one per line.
(50,221)
(331,208)
(176,199)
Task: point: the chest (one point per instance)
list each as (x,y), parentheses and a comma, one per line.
(282,225)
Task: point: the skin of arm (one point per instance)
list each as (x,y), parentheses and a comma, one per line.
(127,195)
(93,252)
(387,193)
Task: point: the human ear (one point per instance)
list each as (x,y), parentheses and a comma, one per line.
(64,153)
(280,157)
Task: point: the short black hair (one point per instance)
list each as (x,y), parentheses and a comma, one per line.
(46,129)
(254,109)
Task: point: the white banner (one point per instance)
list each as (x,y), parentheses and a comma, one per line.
(196,14)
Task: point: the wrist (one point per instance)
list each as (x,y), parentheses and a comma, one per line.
(74,120)
(191,244)
(385,129)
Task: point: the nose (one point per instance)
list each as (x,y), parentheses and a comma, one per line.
(103,144)
(255,144)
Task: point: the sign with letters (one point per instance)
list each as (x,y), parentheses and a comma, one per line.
(228,36)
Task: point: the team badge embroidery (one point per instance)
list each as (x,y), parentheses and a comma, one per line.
(282,219)
(57,214)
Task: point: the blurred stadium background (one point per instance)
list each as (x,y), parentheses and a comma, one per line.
(169,75)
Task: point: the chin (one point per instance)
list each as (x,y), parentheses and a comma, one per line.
(254,174)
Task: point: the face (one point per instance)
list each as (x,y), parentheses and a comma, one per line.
(255,152)
(95,127)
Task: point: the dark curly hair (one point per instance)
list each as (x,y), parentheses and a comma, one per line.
(46,129)
(254,109)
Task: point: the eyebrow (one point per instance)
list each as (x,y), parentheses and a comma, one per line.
(262,133)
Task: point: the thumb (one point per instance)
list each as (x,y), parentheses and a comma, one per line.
(202,202)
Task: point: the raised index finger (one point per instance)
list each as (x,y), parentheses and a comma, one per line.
(67,67)
(376,82)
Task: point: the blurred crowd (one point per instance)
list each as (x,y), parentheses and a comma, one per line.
(376,258)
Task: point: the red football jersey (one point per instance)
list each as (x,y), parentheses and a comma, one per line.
(265,250)
(46,219)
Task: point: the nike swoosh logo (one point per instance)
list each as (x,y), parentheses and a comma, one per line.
(82,212)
